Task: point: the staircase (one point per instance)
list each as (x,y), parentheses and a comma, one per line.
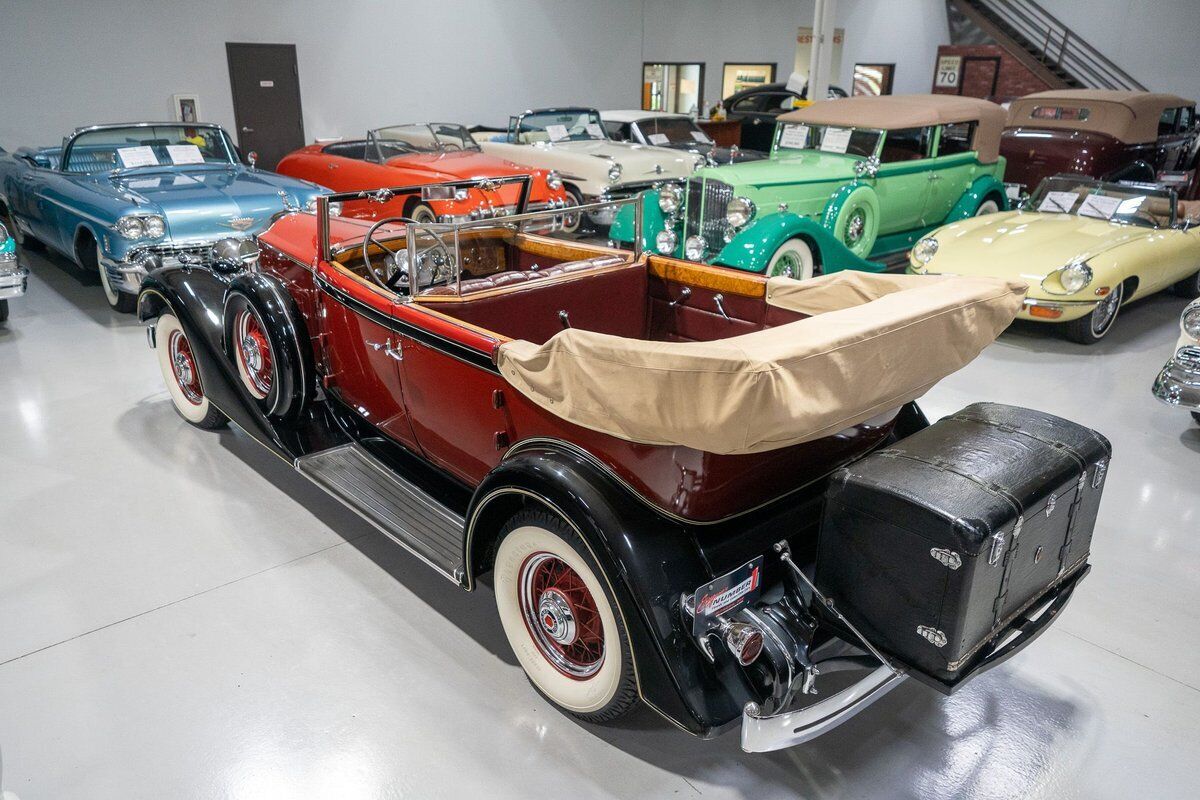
(1037,39)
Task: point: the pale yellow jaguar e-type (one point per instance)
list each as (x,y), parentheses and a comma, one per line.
(1084,246)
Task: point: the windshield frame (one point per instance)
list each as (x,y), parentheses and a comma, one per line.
(778,152)
(516,123)
(69,146)
(1125,190)
(374,138)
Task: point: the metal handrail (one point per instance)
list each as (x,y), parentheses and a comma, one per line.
(1075,55)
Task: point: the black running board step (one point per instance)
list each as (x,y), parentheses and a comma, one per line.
(404,512)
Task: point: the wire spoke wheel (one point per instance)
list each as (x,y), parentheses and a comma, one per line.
(561,616)
(254,354)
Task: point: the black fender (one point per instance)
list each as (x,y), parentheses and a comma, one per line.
(197,299)
(648,561)
(294,384)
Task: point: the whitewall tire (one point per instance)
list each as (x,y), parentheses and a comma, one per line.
(988,206)
(793,259)
(182,375)
(560,621)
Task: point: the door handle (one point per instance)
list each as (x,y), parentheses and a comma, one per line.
(333,166)
(247,130)
(386,347)
(756,121)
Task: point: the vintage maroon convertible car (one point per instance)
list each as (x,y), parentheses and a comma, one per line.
(692,486)
(1112,135)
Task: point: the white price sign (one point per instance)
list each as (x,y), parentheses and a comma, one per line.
(556,132)
(1058,202)
(948,70)
(659,139)
(1099,206)
(137,157)
(794,137)
(836,140)
(185,154)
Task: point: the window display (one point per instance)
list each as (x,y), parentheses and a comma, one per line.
(676,88)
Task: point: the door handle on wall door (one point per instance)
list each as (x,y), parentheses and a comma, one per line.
(247,130)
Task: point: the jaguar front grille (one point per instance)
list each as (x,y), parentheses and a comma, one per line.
(705,212)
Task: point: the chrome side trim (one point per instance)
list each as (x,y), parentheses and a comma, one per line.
(762,734)
(1033,301)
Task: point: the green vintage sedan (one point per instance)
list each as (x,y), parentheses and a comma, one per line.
(848,180)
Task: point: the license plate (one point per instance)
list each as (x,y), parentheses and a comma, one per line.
(727,594)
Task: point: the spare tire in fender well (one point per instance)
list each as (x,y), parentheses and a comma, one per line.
(285,327)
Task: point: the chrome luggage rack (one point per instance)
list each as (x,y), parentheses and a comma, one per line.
(438,230)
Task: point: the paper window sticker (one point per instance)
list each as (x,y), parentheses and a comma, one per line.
(556,132)
(137,157)
(659,138)
(185,154)
(836,140)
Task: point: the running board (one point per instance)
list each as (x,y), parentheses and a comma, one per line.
(404,512)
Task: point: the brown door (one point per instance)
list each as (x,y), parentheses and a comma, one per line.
(979,76)
(266,100)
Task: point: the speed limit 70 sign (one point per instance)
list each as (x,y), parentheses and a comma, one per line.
(948,70)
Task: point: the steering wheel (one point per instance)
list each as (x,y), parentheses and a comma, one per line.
(441,270)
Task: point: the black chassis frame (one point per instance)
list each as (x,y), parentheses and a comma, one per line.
(648,574)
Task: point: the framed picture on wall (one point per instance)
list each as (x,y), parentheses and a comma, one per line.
(744,76)
(873,78)
(185,107)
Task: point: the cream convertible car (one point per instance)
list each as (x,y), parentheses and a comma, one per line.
(1085,247)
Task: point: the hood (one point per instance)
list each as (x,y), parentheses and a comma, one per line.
(460,165)
(638,162)
(1026,242)
(808,167)
(208,203)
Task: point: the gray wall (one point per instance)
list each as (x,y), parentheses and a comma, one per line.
(370,62)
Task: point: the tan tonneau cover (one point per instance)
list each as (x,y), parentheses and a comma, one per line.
(874,343)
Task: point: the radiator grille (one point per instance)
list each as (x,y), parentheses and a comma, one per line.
(706,201)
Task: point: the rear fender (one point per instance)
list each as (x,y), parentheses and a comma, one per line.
(752,248)
(653,221)
(982,187)
(647,559)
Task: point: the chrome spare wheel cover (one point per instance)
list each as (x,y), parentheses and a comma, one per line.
(854,230)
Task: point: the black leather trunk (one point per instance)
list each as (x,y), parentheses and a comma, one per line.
(934,545)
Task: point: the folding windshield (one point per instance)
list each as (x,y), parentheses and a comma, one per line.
(567,125)
(434,137)
(663,131)
(1132,204)
(107,149)
(792,139)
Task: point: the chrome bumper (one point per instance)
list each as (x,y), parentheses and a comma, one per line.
(1179,382)
(762,734)
(124,276)
(14,280)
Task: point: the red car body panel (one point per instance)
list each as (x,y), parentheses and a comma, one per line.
(463,418)
(343,174)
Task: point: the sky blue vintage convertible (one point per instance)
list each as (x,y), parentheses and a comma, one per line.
(125,199)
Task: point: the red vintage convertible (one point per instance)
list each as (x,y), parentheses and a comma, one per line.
(425,154)
(693,487)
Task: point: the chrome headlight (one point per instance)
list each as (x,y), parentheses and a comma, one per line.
(925,250)
(614,172)
(665,242)
(1190,321)
(155,226)
(669,198)
(553,180)
(693,248)
(1068,280)
(739,211)
(131,227)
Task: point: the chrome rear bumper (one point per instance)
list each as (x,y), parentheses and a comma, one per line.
(1178,384)
(762,734)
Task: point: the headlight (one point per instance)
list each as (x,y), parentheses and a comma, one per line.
(925,250)
(739,211)
(665,242)
(155,227)
(614,172)
(1190,321)
(553,180)
(1068,280)
(130,227)
(693,248)
(669,197)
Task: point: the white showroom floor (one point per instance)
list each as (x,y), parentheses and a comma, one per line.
(182,616)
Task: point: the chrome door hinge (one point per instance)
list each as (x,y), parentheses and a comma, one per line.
(932,635)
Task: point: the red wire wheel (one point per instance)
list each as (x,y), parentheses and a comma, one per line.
(253,350)
(183,367)
(561,616)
